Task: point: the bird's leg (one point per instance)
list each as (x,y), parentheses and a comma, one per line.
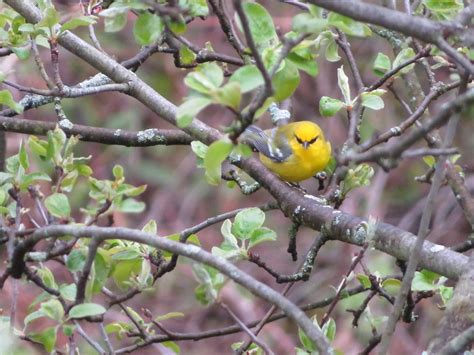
(321,177)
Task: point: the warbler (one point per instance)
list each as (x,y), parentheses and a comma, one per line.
(294,151)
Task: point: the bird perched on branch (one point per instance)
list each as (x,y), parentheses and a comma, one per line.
(294,151)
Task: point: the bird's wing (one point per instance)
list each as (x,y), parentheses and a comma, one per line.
(272,144)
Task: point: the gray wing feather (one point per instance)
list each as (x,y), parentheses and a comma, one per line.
(265,144)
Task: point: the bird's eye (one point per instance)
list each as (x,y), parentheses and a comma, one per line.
(313,140)
(298,139)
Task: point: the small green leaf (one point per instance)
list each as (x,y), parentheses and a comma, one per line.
(150,227)
(23,156)
(446,293)
(169,315)
(53,309)
(247,221)
(29,179)
(429,160)
(68,329)
(115,18)
(46,337)
(58,205)
(86,310)
(307,343)
(68,292)
(261,235)
(404,55)
(424,281)
(177,26)
(348,25)
(6,99)
(50,17)
(357,177)
(117,171)
(307,64)
(171,345)
(216,154)
(331,53)
(392,286)
(229,238)
(190,108)
(261,25)
(196,8)
(130,205)
(382,64)
(329,106)
(249,78)
(307,23)
(285,81)
(372,101)
(148,28)
(329,329)
(199,148)
(229,95)
(76,259)
(78,22)
(186,56)
(343,83)
(364,280)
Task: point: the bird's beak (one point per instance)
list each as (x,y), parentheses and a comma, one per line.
(306,145)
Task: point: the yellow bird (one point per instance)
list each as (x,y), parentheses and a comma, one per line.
(295,151)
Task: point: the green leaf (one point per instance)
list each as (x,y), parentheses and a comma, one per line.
(186,56)
(329,106)
(229,95)
(3,197)
(247,221)
(285,81)
(216,154)
(446,293)
(357,177)
(249,78)
(307,64)
(32,317)
(424,281)
(307,343)
(47,277)
(50,17)
(443,5)
(190,108)
(307,23)
(23,156)
(117,171)
(348,25)
(127,254)
(332,51)
(196,8)
(68,329)
(205,78)
(150,227)
(261,235)
(76,259)
(115,17)
(68,292)
(329,329)
(23,53)
(199,148)
(343,83)
(6,99)
(53,309)
(261,25)
(58,205)
(29,179)
(364,280)
(404,55)
(382,64)
(130,205)
(372,101)
(124,270)
(86,310)
(171,345)
(169,315)
(78,22)
(429,160)
(229,238)
(148,28)
(391,285)
(47,338)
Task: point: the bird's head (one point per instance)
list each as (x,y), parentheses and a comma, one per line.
(307,134)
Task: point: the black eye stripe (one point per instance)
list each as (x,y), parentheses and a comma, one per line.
(300,141)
